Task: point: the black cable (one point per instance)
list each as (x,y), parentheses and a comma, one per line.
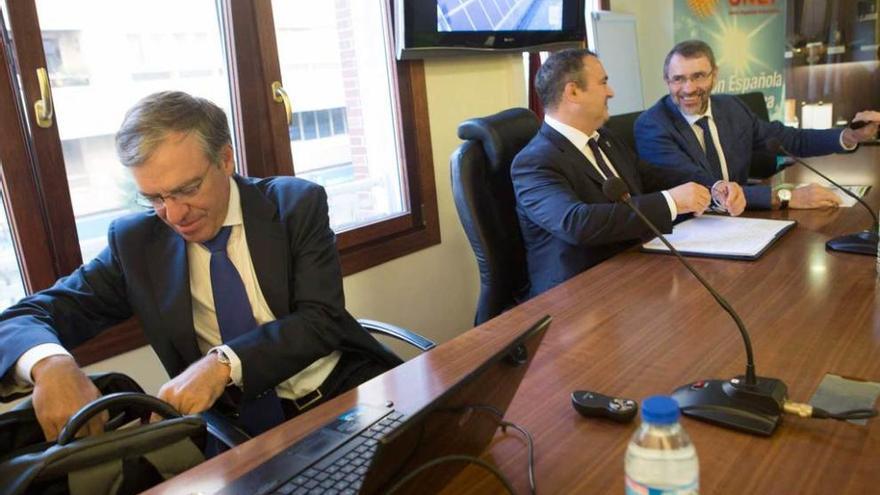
(531,448)
(529,440)
(453,458)
(844,415)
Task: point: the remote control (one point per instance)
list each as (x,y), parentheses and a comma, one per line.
(858,124)
(593,404)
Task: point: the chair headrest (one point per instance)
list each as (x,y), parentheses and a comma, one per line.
(503,134)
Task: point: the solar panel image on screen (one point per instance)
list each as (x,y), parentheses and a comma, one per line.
(499,15)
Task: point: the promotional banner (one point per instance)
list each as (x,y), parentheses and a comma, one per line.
(748,38)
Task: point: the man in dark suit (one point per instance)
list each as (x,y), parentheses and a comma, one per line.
(295,344)
(672,134)
(567,223)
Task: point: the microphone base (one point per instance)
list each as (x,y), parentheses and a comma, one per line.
(732,404)
(864,242)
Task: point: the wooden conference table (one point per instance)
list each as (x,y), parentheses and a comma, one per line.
(640,324)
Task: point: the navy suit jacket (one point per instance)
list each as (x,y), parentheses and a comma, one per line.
(663,137)
(144,272)
(567,223)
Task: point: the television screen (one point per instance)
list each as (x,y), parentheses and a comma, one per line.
(445,27)
(500,15)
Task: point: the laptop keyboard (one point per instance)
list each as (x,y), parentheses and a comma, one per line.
(343,471)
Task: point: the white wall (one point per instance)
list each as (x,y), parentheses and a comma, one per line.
(433,291)
(655,39)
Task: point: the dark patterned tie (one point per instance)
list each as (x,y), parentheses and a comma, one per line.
(711,152)
(606,170)
(235,317)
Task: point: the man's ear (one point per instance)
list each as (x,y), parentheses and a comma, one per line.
(227,159)
(570,90)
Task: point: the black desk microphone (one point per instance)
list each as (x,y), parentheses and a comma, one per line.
(864,242)
(748,403)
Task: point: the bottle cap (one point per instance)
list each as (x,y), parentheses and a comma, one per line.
(660,409)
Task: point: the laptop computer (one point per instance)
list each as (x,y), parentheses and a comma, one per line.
(369,448)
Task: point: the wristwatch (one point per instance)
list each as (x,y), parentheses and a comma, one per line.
(784,196)
(222,358)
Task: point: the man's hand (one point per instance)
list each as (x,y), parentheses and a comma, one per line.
(853,137)
(60,390)
(730,195)
(690,198)
(198,387)
(813,196)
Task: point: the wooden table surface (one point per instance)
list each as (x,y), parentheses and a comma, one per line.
(640,324)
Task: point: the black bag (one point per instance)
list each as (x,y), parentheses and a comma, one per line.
(120,461)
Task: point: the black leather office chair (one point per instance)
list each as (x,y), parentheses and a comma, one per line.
(763,162)
(483,194)
(622,126)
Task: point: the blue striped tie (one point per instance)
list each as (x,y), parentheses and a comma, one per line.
(235,317)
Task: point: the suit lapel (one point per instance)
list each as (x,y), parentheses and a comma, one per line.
(268,245)
(687,136)
(573,157)
(169,269)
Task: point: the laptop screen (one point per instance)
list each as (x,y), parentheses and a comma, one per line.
(460,422)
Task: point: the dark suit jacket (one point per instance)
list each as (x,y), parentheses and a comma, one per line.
(663,137)
(567,223)
(143,272)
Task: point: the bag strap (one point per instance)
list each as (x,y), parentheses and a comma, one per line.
(121,399)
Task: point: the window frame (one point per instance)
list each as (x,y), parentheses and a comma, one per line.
(369,245)
(38,187)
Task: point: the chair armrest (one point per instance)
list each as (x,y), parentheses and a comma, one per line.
(399,333)
(223,429)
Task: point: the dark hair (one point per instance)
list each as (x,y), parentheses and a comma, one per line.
(147,124)
(559,69)
(689,49)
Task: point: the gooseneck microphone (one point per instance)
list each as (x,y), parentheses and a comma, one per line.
(748,403)
(864,242)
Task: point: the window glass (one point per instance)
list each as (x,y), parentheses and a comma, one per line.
(104,56)
(338,68)
(11,285)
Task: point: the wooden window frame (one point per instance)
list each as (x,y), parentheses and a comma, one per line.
(263,133)
(35,182)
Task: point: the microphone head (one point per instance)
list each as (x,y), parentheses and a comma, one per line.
(615,189)
(775,145)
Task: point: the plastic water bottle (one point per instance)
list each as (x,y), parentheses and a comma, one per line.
(660,459)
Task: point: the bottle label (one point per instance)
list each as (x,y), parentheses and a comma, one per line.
(633,487)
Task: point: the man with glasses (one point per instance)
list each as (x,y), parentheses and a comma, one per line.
(711,138)
(235,281)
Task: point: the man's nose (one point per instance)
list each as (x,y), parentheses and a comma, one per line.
(175,211)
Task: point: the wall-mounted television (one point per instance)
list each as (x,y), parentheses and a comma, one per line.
(425,28)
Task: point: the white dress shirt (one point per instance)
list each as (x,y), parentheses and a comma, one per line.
(205,318)
(579,139)
(713,130)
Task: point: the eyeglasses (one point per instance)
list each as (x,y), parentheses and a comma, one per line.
(182,193)
(696,78)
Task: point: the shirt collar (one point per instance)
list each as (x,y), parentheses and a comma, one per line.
(576,136)
(233,210)
(692,119)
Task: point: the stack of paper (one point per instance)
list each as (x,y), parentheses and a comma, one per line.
(723,236)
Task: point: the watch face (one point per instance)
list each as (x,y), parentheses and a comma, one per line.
(784,194)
